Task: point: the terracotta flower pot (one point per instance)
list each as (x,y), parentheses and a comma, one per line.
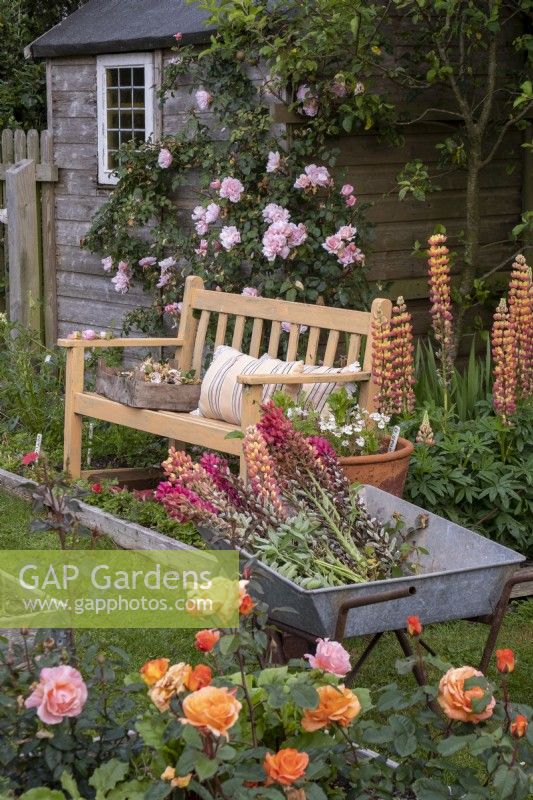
(387,471)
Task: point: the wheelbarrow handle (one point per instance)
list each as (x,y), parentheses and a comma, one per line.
(368,600)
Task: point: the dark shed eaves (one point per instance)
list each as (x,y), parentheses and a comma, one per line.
(122,26)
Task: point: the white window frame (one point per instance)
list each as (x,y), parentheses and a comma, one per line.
(146,60)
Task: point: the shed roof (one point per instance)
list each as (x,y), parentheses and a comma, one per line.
(121,26)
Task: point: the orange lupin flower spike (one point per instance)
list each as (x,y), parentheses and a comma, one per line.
(505,363)
(520,301)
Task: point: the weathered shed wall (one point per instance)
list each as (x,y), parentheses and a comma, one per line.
(86,297)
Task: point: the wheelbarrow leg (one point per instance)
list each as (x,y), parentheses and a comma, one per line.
(495,620)
(362,658)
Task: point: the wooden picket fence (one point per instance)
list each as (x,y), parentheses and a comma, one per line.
(27,177)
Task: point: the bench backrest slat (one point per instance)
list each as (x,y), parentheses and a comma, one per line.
(256,320)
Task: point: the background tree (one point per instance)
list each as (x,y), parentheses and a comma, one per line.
(22,82)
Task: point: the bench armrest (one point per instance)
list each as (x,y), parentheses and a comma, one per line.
(148,342)
(308,377)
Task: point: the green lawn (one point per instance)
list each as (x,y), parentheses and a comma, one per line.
(458,642)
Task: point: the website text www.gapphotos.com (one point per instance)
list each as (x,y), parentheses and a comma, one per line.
(134,589)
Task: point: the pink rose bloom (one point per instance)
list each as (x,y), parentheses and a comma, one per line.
(203,99)
(167,263)
(303,92)
(346,189)
(122,279)
(330,657)
(211,213)
(201,250)
(89,335)
(215,184)
(333,243)
(275,241)
(178,37)
(229,237)
(286,327)
(164,158)
(107,263)
(297,234)
(173,308)
(249,291)
(61,692)
(231,188)
(274,213)
(148,261)
(302,182)
(310,107)
(338,87)
(74,335)
(198,213)
(351,200)
(166,266)
(201,227)
(351,254)
(273,162)
(347,232)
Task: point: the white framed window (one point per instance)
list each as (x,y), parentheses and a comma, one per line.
(125,106)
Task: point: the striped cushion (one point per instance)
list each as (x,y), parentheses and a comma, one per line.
(317,394)
(221,395)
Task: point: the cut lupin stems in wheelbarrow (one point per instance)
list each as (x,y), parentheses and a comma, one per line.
(461,575)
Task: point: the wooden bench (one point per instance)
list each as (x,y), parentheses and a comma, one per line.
(238,317)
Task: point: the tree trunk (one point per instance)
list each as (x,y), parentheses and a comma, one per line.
(472,232)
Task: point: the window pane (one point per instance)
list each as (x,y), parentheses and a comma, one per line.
(126,135)
(138,98)
(113,140)
(125,118)
(138,120)
(139,137)
(138,76)
(112,98)
(125,76)
(112,77)
(112,160)
(125,98)
(113,119)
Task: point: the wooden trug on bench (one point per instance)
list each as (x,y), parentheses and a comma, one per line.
(236,316)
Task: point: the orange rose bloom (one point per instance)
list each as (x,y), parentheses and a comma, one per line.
(505,660)
(336,704)
(519,726)
(414,626)
(172,682)
(285,766)
(456,701)
(200,676)
(206,640)
(215,709)
(153,670)
(246,606)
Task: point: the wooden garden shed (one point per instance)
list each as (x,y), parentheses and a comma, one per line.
(125,44)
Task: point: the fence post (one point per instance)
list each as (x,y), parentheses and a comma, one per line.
(23,244)
(48,246)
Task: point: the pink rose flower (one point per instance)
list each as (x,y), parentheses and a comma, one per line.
(249,291)
(330,657)
(229,237)
(297,234)
(201,250)
(333,243)
(173,308)
(351,254)
(313,176)
(89,335)
(203,99)
(303,92)
(107,263)
(347,189)
(201,227)
(164,158)
(347,232)
(351,200)
(178,37)
(273,162)
(211,213)
(74,335)
(215,184)
(61,692)
(122,279)
(338,87)
(302,182)
(147,261)
(274,213)
(286,327)
(310,107)
(231,188)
